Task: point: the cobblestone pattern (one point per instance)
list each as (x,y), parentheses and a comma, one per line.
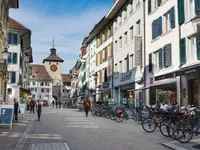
(24,138)
(50,146)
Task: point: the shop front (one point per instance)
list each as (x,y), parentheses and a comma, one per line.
(125,85)
(104,91)
(187,91)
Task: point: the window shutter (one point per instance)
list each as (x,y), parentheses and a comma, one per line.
(167,55)
(149,6)
(198,45)
(181,12)
(150,63)
(159,2)
(9,38)
(10,58)
(153,29)
(111,49)
(96,59)
(160,58)
(160,26)
(97,43)
(197,5)
(100,76)
(172,18)
(111,30)
(127,63)
(14,58)
(106,53)
(182,51)
(100,57)
(13,77)
(14,38)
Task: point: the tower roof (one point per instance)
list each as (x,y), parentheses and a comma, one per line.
(53,56)
(40,73)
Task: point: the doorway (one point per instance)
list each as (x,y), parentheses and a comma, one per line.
(193,92)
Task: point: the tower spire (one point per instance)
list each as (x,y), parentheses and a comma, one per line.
(53,43)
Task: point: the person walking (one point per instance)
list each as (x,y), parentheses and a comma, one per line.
(87,106)
(32,104)
(16,109)
(39,109)
(60,103)
(53,103)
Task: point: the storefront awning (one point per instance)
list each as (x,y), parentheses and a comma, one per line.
(180,72)
(25,91)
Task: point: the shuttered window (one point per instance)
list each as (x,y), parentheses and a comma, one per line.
(182,51)
(14,58)
(111,49)
(167,55)
(9,58)
(159,26)
(106,53)
(160,53)
(97,60)
(149,6)
(100,76)
(12,38)
(153,29)
(159,2)
(197,5)
(150,63)
(101,58)
(13,77)
(198,45)
(181,12)
(172,18)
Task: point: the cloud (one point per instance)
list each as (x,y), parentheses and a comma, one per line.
(68,31)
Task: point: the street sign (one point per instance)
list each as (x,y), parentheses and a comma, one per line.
(6,115)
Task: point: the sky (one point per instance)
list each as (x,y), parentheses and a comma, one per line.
(66,21)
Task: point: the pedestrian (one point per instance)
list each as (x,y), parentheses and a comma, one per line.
(60,103)
(39,109)
(87,105)
(56,103)
(32,104)
(16,109)
(53,103)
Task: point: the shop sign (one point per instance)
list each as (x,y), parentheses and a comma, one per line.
(105,85)
(126,76)
(138,50)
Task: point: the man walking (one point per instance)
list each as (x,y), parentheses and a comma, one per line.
(39,109)
(32,104)
(16,109)
(86,105)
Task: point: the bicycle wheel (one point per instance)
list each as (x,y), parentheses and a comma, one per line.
(151,125)
(164,127)
(119,117)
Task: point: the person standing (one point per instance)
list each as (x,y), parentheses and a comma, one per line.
(16,109)
(39,109)
(87,106)
(60,103)
(53,103)
(32,104)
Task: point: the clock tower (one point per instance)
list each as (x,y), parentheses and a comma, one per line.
(53,65)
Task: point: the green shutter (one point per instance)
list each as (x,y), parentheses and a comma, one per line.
(181,12)
(149,6)
(160,26)
(160,53)
(167,55)
(13,77)
(197,4)
(198,45)
(14,58)
(182,51)
(172,18)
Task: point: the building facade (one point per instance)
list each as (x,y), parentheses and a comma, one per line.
(19,59)
(40,83)
(66,87)
(5,5)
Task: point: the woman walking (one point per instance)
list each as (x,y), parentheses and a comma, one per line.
(39,109)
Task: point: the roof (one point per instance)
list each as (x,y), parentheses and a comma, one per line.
(66,78)
(16,25)
(39,72)
(53,57)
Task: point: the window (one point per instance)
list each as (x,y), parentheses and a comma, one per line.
(42,90)
(116,69)
(192,55)
(42,84)
(120,19)
(33,96)
(156,60)
(49,63)
(120,42)
(156,28)
(12,58)
(154,4)
(35,89)
(138,27)
(166,22)
(33,82)
(56,63)
(12,38)
(181,11)
(131,61)
(182,51)
(115,23)
(125,14)
(116,46)
(131,7)
(131,33)
(120,67)
(191,9)
(13,77)
(125,38)
(137,3)
(47,90)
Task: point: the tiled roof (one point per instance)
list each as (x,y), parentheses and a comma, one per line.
(39,72)
(16,25)
(53,58)
(66,78)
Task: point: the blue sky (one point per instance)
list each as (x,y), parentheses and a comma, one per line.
(68,21)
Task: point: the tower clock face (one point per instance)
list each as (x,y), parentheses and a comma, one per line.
(53,68)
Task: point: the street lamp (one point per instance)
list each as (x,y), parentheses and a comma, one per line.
(5,53)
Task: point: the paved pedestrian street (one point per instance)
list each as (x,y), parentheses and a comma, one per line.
(69,129)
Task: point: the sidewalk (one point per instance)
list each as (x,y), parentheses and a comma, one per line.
(9,138)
